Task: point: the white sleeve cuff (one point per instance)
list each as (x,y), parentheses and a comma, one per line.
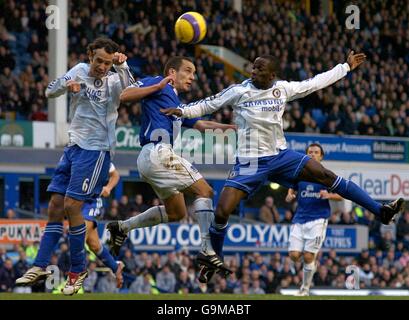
(346,66)
(123,65)
(180,107)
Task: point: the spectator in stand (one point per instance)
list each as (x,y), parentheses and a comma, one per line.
(91,280)
(142,284)
(11,214)
(183,284)
(107,283)
(288,217)
(166,280)
(268,212)
(124,207)
(22,265)
(7,276)
(138,205)
(403,229)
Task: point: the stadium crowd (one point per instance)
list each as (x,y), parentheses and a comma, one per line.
(371,101)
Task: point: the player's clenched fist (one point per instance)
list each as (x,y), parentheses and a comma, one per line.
(169,79)
(172,112)
(119,58)
(73,86)
(105,192)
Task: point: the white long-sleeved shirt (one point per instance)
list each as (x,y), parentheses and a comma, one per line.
(93,110)
(258,113)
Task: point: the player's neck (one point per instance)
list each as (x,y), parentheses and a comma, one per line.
(264,86)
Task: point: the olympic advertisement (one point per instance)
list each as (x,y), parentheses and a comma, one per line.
(170,237)
(242,238)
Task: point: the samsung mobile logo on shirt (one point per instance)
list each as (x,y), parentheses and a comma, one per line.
(270,104)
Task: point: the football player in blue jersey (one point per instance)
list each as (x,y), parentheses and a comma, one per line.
(258,105)
(170,175)
(310,220)
(83,169)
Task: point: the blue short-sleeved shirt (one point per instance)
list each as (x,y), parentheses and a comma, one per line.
(156,126)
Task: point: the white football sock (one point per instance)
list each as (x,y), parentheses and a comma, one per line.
(148,218)
(309,270)
(204,215)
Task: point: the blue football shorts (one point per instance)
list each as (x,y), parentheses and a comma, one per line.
(81,174)
(249,174)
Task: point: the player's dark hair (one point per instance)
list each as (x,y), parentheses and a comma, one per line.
(272,62)
(175,63)
(105,43)
(315,145)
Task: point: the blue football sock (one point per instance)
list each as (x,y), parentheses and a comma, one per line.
(107,259)
(76,237)
(217,236)
(349,190)
(52,233)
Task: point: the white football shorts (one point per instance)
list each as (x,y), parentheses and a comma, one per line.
(165,171)
(308,236)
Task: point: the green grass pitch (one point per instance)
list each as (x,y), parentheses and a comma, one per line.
(108,296)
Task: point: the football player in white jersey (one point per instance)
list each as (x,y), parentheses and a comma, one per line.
(258,105)
(83,169)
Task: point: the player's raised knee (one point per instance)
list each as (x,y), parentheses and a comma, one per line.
(174,216)
(295,256)
(206,193)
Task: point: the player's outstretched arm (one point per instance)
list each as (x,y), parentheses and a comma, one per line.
(330,196)
(122,69)
(112,182)
(65,83)
(299,89)
(227,97)
(202,125)
(135,92)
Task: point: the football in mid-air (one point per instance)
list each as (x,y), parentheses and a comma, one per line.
(190,27)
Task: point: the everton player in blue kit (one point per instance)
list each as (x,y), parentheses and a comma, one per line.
(258,106)
(83,168)
(169,174)
(310,220)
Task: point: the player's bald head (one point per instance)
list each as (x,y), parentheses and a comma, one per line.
(270,61)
